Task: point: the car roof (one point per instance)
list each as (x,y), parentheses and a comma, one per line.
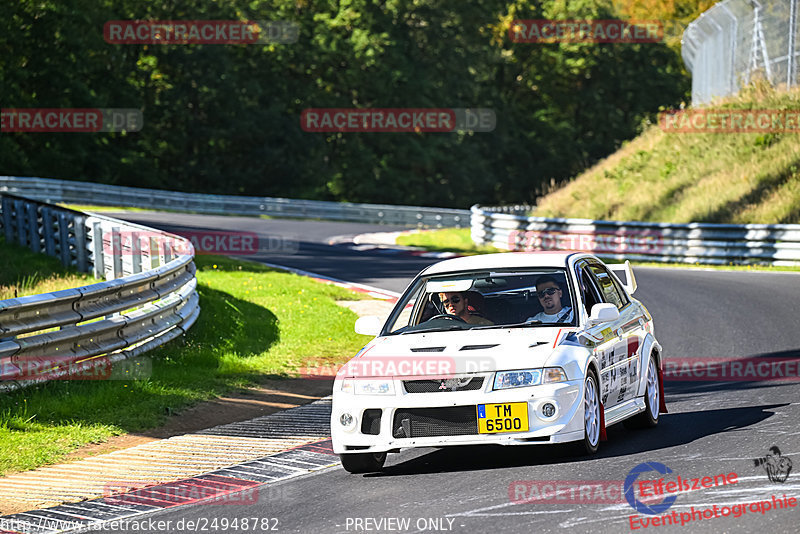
(502,260)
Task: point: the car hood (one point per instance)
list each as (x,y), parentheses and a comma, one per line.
(444,353)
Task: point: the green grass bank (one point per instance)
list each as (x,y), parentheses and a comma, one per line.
(690,177)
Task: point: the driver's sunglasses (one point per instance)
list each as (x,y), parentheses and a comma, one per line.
(455,300)
(549,291)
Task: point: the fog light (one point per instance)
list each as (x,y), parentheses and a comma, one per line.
(346,419)
(548,410)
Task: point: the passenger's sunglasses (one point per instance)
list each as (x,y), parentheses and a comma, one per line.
(455,300)
(549,291)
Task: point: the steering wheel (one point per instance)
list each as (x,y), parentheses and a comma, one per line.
(447,316)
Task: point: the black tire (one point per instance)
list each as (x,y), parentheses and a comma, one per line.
(363,462)
(652,401)
(591,418)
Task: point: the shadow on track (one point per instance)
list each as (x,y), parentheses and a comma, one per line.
(672,430)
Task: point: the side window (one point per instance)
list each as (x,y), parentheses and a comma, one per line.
(611,292)
(587,289)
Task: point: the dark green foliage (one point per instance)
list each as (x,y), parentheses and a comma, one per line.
(226,118)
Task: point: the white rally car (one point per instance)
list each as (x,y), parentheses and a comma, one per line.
(511,349)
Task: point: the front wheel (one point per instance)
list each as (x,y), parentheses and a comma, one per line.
(591,416)
(363,462)
(652,400)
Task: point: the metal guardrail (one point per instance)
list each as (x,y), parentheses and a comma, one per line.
(736,40)
(712,244)
(67,191)
(148,297)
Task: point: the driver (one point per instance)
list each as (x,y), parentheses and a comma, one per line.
(457,303)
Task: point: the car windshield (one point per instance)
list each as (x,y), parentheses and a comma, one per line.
(483,300)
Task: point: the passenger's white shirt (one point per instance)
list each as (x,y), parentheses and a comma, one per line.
(564,315)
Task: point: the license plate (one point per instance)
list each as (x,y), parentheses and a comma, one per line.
(509,417)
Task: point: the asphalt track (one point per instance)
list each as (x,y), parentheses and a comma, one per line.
(712,428)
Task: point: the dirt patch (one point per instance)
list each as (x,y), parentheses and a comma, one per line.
(273,395)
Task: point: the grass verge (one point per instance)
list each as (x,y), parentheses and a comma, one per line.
(449,239)
(255,322)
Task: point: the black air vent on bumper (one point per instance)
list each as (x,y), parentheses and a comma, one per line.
(426,422)
(443,385)
(371,422)
(427,349)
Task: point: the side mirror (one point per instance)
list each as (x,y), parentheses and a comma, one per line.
(603,313)
(369,326)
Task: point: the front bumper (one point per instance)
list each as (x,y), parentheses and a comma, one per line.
(565,425)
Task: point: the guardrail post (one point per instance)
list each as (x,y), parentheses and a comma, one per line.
(145,253)
(116,255)
(98,269)
(136,252)
(47,231)
(126,252)
(32,213)
(19,217)
(8,220)
(63,239)
(162,254)
(79,227)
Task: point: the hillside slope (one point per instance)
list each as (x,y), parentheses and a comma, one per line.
(689,177)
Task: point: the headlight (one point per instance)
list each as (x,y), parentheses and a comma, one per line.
(363,386)
(554,374)
(528,377)
(517,379)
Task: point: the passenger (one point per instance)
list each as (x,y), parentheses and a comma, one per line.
(457,303)
(549,292)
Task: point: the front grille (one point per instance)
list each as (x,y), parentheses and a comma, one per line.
(371,422)
(426,422)
(443,385)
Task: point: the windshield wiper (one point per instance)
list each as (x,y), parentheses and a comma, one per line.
(513,325)
(434,330)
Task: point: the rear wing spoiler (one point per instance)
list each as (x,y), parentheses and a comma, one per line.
(624,271)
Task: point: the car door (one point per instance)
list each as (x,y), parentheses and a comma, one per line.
(605,342)
(628,335)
